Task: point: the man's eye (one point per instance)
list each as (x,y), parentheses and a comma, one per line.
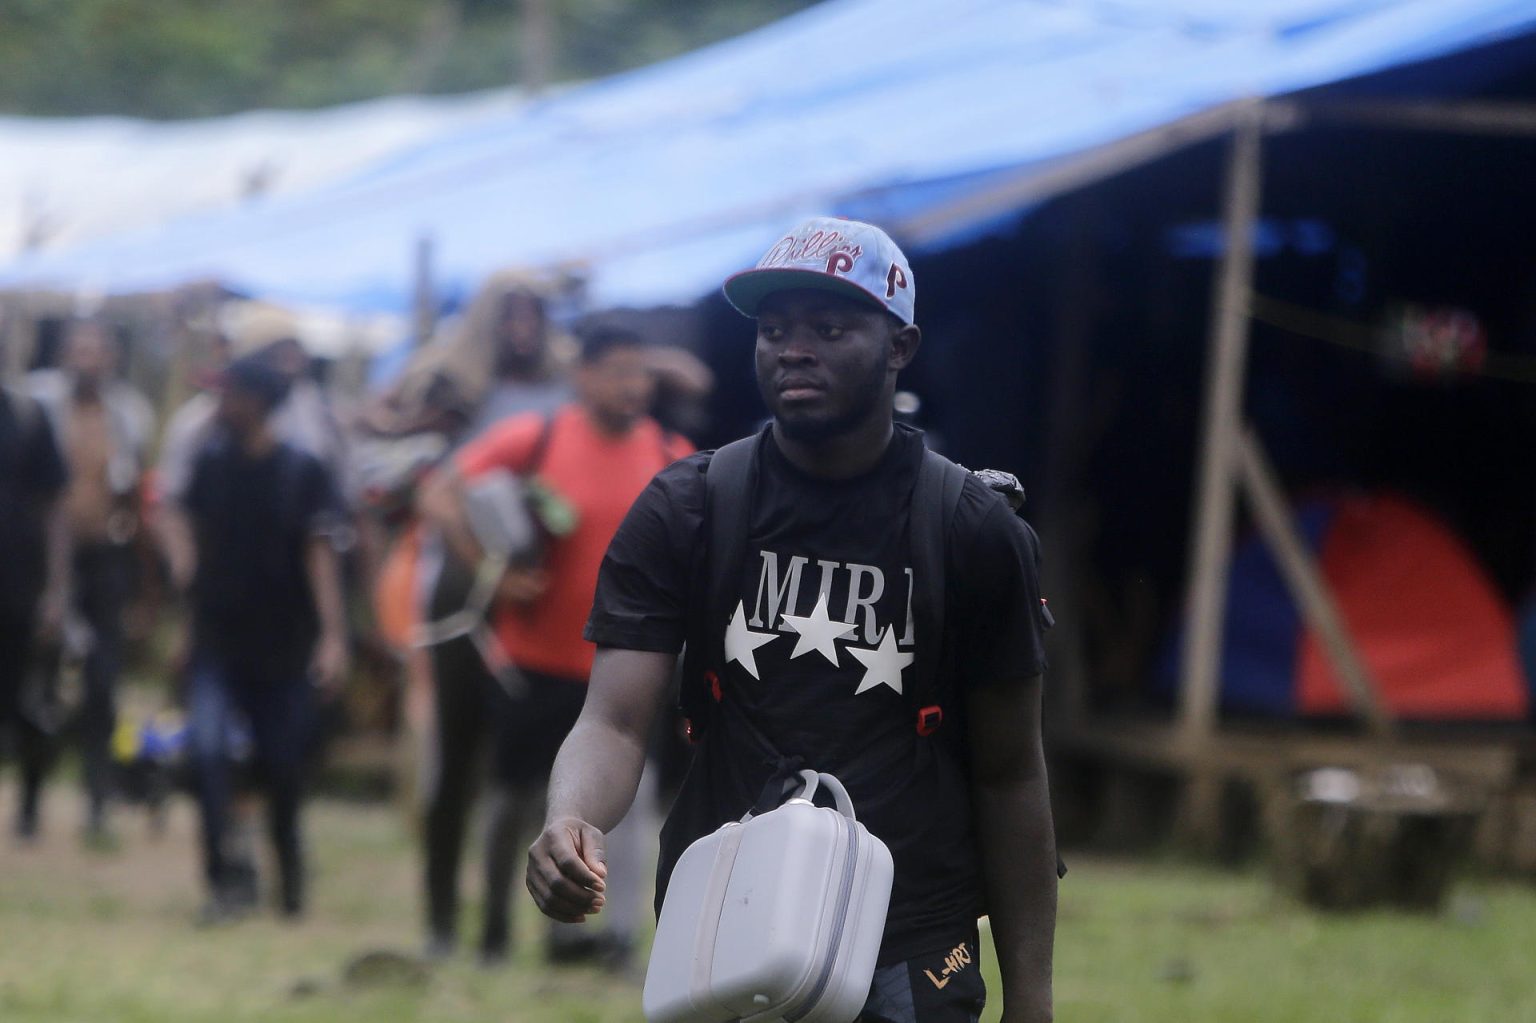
(830,331)
(769,332)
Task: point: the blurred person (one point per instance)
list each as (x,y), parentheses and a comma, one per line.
(253,542)
(595,455)
(503,356)
(830,658)
(105,427)
(304,420)
(34,582)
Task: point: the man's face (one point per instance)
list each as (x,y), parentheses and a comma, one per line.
(617,388)
(823,362)
(240,410)
(288,357)
(520,332)
(88,353)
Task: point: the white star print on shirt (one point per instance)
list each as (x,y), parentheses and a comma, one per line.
(883,664)
(741,642)
(818,632)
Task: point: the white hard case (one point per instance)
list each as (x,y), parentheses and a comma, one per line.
(777,917)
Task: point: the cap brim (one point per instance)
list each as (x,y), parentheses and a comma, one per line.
(747,289)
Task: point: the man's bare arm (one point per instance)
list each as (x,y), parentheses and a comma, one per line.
(1016,840)
(174,531)
(58,578)
(329,664)
(594,780)
(441,502)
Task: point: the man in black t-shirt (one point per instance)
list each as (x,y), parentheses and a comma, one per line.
(33,581)
(253,538)
(822,641)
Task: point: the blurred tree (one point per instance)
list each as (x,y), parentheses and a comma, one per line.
(190,58)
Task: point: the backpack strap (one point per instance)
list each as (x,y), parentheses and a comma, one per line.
(935,499)
(540,449)
(729,483)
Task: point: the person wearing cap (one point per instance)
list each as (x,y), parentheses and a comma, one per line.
(268,628)
(817,653)
(304,420)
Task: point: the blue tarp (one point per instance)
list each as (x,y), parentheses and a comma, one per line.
(657,182)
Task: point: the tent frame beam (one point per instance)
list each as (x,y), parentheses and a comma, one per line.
(1199,670)
(1038,182)
(1266,498)
(1231,459)
(1501,118)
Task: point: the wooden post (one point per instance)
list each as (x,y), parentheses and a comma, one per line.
(425,291)
(537,43)
(1305,581)
(1061,525)
(1212,531)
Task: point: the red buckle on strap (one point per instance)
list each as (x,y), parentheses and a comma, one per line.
(714,685)
(929,719)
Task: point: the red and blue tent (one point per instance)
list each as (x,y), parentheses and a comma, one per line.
(1437,637)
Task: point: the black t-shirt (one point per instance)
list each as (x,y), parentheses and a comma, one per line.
(253,520)
(819,655)
(32,473)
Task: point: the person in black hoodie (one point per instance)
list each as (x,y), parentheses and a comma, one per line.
(254,541)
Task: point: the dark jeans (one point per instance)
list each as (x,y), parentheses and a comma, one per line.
(474,716)
(101,578)
(101,581)
(942,986)
(20,730)
(226,711)
(467,705)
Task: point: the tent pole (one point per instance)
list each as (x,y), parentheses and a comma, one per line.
(1068,426)
(1228,342)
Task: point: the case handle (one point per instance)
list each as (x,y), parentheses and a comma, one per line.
(839,794)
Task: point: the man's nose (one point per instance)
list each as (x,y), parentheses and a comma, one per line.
(797,349)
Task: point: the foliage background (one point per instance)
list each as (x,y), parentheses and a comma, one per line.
(194,58)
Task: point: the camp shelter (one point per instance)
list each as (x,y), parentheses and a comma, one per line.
(1070,178)
(1409,193)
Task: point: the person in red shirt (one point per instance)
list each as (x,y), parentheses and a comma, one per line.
(594,456)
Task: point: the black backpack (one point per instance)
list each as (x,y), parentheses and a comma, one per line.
(729,483)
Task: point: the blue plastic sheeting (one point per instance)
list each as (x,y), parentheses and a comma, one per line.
(659,182)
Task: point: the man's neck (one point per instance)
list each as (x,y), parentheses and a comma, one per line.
(608,427)
(87,390)
(842,457)
(258,442)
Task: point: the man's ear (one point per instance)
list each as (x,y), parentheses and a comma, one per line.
(904,345)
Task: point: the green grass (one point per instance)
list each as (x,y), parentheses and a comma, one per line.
(107,938)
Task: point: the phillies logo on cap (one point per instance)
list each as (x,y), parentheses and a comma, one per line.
(828,251)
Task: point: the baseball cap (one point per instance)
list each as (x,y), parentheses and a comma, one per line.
(255,376)
(846,257)
(255,326)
